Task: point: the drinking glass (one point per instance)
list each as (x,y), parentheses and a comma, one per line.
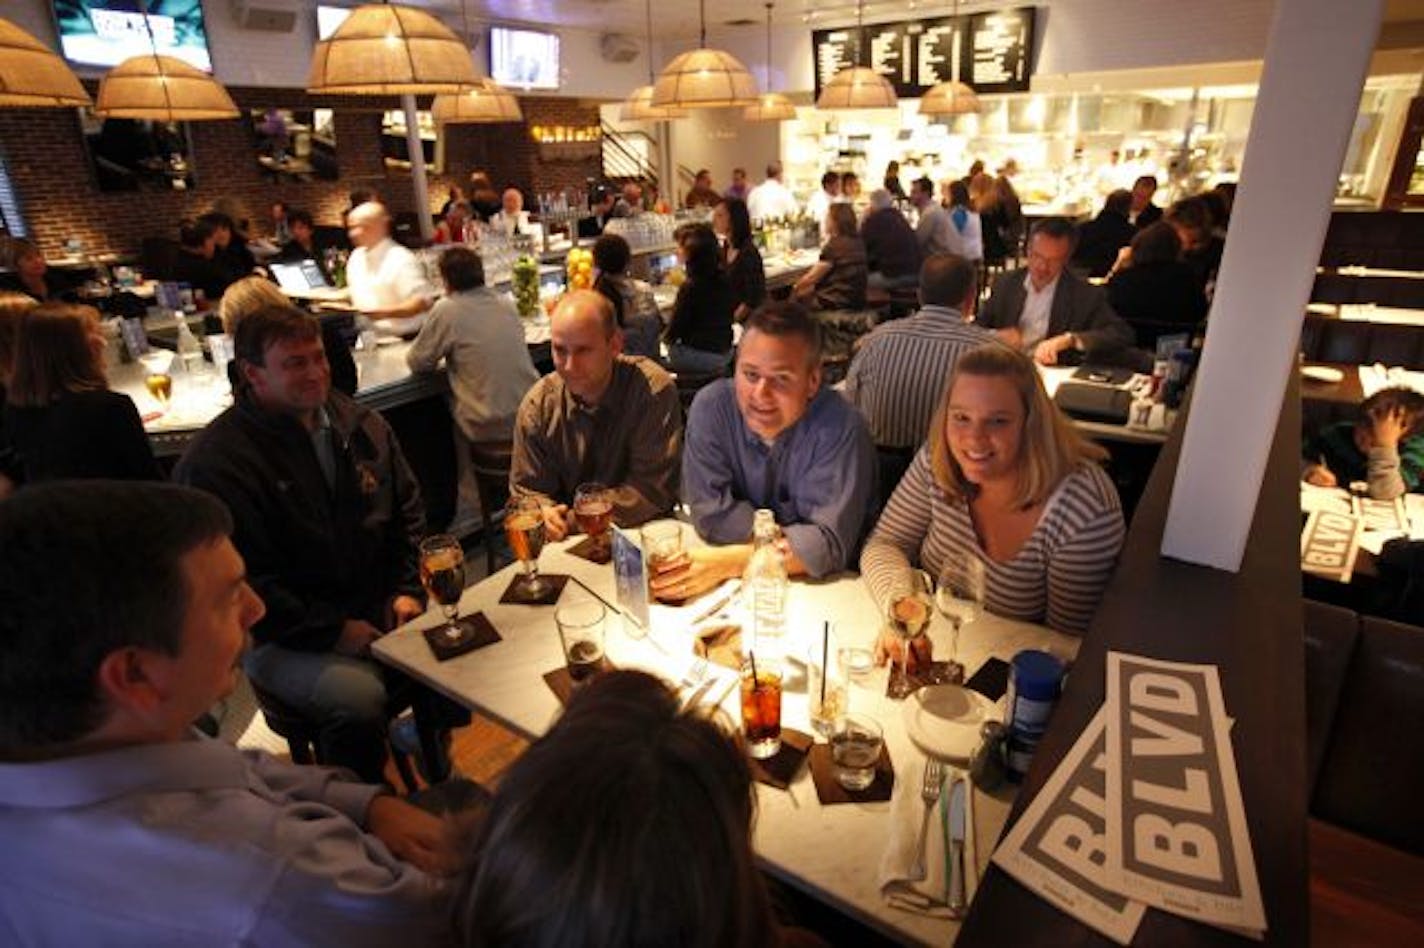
(158,365)
(593,509)
(524,529)
(761,706)
(581,625)
(960,599)
(856,741)
(825,687)
(442,573)
(907,616)
(662,540)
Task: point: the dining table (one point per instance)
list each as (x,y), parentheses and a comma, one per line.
(831,852)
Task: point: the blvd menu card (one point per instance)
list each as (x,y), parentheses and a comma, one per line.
(1329,544)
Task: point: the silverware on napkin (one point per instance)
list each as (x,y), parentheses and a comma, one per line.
(958,789)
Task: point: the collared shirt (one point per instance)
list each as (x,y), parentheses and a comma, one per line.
(897,379)
(771,199)
(197,843)
(934,230)
(324,447)
(817,477)
(1037,311)
(385,276)
(629,441)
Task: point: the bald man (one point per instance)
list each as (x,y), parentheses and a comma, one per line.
(601,416)
(387,281)
(512,218)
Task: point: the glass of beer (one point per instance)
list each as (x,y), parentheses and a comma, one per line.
(761,706)
(524,529)
(581,623)
(158,380)
(593,509)
(442,573)
(908,616)
(662,541)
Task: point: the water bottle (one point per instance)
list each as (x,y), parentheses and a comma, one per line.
(189,349)
(765,584)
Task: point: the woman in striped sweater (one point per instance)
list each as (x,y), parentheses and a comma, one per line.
(1005,479)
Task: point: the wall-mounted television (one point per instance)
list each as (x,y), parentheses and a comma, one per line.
(106,32)
(138,154)
(527,59)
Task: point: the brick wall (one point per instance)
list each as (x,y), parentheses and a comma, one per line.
(50,168)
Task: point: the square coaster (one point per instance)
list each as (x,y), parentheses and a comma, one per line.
(935,673)
(562,685)
(479,631)
(780,769)
(518,594)
(829,790)
(590,549)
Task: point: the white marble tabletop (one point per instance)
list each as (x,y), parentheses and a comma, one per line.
(831,852)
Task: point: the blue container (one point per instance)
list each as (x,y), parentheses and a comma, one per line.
(1035,682)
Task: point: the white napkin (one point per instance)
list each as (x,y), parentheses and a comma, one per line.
(927,896)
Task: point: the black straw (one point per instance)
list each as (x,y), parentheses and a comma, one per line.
(825,659)
(751,656)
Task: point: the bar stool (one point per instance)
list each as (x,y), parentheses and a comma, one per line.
(490,462)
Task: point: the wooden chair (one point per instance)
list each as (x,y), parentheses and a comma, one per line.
(489,464)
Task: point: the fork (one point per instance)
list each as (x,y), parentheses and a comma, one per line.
(930,788)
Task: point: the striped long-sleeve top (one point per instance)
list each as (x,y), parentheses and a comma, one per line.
(1055,578)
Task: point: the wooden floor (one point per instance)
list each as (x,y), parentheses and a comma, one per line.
(480,751)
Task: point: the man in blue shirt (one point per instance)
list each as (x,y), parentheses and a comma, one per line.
(771,437)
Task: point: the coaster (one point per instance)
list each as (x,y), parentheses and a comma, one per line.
(829,789)
(479,631)
(935,673)
(518,593)
(562,685)
(779,770)
(590,549)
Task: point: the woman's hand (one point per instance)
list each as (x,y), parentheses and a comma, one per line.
(890,647)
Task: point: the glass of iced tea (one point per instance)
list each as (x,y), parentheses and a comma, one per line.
(761,706)
(442,573)
(581,622)
(593,509)
(524,529)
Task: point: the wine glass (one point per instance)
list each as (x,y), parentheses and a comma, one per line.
(157,365)
(960,599)
(907,616)
(524,529)
(593,509)
(442,573)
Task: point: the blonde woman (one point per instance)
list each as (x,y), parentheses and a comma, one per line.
(1006,480)
(250,294)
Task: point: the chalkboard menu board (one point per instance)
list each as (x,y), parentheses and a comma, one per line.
(991,51)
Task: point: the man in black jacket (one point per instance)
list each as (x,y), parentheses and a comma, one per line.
(329,519)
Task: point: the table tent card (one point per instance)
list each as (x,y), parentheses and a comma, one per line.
(1329,543)
(1387,516)
(630,573)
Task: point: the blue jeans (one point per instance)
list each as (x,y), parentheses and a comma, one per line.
(687,359)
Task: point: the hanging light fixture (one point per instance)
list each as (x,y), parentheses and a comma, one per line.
(391,50)
(858,87)
(32,75)
(484,102)
(705,78)
(951,97)
(638,107)
(161,88)
(770,106)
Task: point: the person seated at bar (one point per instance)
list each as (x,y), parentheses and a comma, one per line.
(600,416)
(195,264)
(122,824)
(484,200)
(61,418)
(819,203)
(452,224)
(512,218)
(387,281)
(932,231)
(892,182)
(699,334)
(630,201)
(230,251)
(603,204)
(481,338)
(838,280)
(1100,239)
(1153,289)
(738,189)
(772,437)
(301,242)
(1201,248)
(29,273)
(1143,213)
(1046,311)
(1007,480)
(701,193)
(965,227)
(250,294)
(740,257)
(277,216)
(995,227)
(1383,447)
(328,519)
(453,195)
(850,187)
(898,376)
(771,199)
(891,252)
(634,305)
(673,796)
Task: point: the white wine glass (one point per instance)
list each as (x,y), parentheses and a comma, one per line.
(960,599)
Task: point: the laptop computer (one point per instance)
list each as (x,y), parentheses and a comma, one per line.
(299,276)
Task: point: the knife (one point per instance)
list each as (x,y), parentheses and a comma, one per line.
(720,604)
(956,845)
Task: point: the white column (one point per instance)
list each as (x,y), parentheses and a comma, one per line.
(418,182)
(1317,56)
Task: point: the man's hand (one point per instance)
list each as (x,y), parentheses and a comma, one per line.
(411,834)
(1047,351)
(404,608)
(1320,476)
(1389,427)
(693,572)
(1010,337)
(356,637)
(556,522)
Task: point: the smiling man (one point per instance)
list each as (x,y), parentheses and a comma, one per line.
(772,437)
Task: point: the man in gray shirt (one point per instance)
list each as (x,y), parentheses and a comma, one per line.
(932,233)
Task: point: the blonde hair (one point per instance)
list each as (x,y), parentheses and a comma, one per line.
(12,307)
(54,355)
(1051,448)
(245,297)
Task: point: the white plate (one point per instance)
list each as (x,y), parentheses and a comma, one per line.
(1322,373)
(943,720)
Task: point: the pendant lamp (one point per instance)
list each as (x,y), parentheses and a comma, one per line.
(32,75)
(858,87)
(161,88)
(705,78)
(951,97)
(770,106)
(638,107)
(484,102)
(391,50)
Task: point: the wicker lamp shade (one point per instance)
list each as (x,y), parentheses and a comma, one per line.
(484,102)
(950,98)
(858,88)
(391,50)
(638,107)
(705,79)
(32,75)
(771,107)
(164,89)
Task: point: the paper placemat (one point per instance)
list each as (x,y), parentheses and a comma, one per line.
(517,593)
(780,769)
(479,633)
(829,789)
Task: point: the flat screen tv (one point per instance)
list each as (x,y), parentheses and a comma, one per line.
(526,59)
(106,32)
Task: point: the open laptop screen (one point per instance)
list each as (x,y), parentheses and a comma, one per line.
(298,276)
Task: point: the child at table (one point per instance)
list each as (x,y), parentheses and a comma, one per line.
(1383,446)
